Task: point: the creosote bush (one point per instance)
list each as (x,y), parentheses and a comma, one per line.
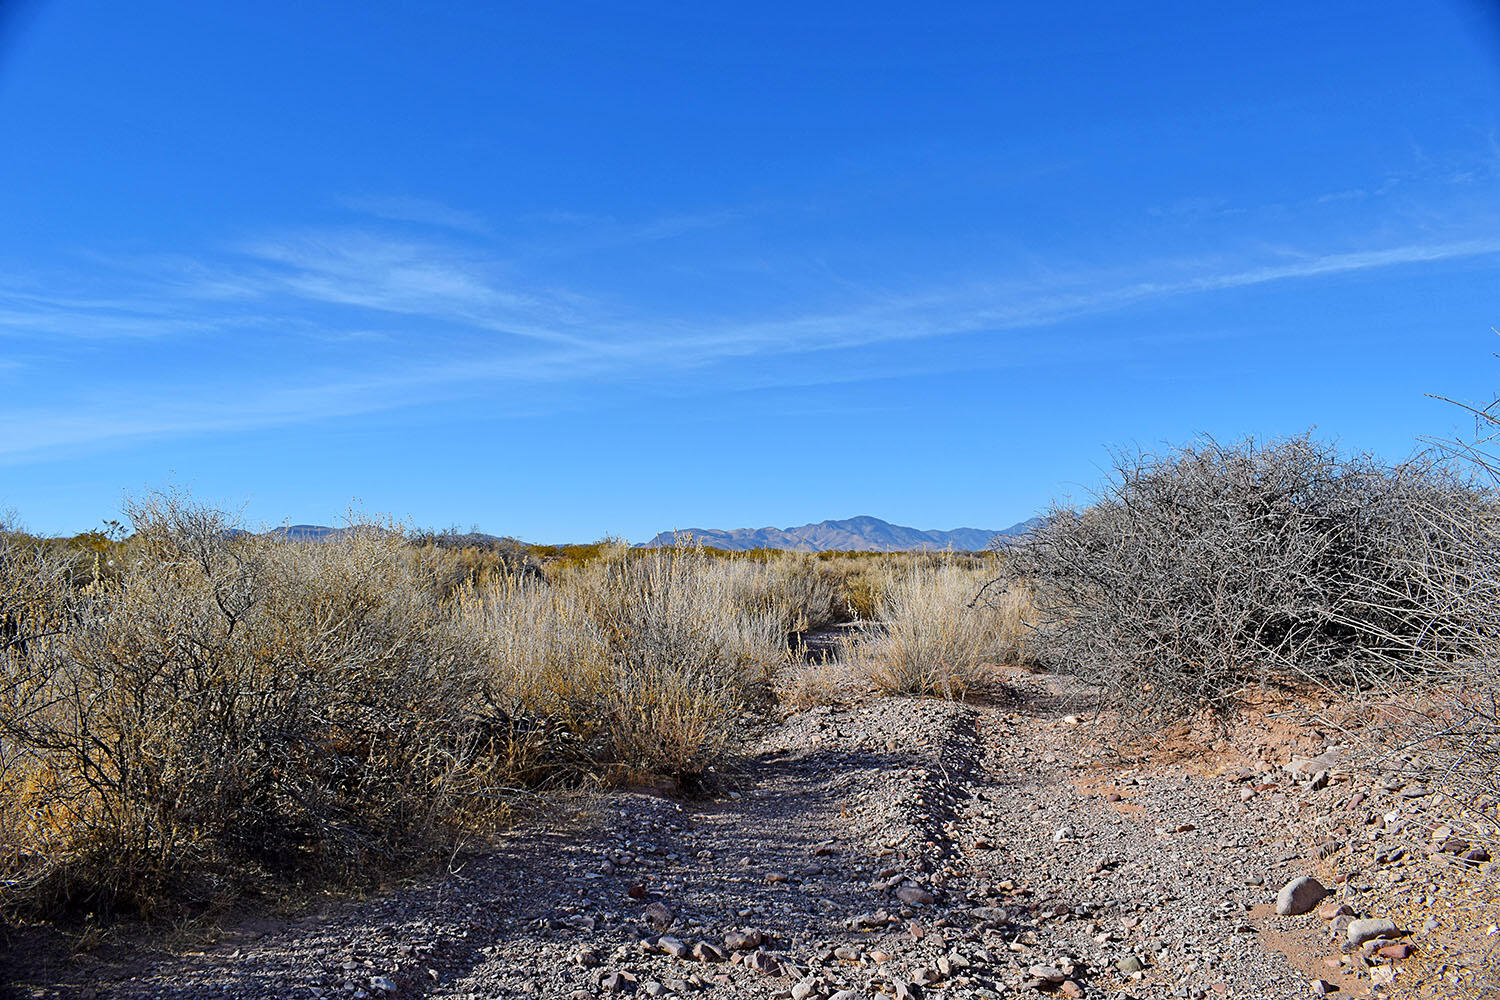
(224,707)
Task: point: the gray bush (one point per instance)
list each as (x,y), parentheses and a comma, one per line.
(1212,568)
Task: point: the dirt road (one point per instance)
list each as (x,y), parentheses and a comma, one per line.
(897,846)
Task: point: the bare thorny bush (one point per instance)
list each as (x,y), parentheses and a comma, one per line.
(1448,732)
(1218,568)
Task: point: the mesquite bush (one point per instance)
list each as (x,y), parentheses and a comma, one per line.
(1212,568)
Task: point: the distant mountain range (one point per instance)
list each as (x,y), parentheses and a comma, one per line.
(856,534)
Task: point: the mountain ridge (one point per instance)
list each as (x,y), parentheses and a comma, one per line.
(863,533)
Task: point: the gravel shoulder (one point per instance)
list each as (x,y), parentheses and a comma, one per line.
(894,847)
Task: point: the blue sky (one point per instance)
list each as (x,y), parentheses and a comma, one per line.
(568,270)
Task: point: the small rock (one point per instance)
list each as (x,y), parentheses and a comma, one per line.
(674,947)
(617,982)
(1361,931)
(1069,988)
(743,940)
(1320,988)
(705,952)
(915,895)
(1330,910)
(1396,951)
(766,963)
(802,989)
(1046,974)
(1130,964)
(1299,896)
(658,916)
(382,984)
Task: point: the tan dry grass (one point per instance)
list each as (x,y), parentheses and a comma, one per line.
(935,638)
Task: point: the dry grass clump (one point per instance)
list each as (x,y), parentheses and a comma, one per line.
(933,637)
(1213,567)
(647,660)
(800,591)
(822,681)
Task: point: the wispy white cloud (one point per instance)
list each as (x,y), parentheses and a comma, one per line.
(444,304)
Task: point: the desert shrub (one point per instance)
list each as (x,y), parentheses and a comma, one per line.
(193,710)
(1212,567)
(226,707)
(932,638)
(1448,731)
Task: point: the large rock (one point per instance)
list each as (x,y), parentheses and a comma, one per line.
(1300,896)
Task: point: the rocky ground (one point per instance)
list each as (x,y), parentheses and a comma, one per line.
(904,848)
